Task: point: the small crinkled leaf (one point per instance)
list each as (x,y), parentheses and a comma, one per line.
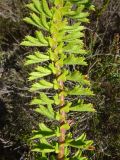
(43,148)
(62,77)
(80,15)
(37,101)
(57,116)
(57,132)
(43,132)
(56,148)
(65,126)
(41,37)
(78,154)
(76,76)
(75,27)
(82,137)
(56,84)
(36,19)
(53,68)
(46,8)
(38,5)
(85,20)
(72,36)
(56,99)
(92,8)
(83,108)
(78,90)
(77,143)
(31,41)
(75,48)
(50,109)
(31,6)
(77,42)
(44,99)
(42,84)
(66,108)
(31,21)
(45,111)
(39,73)
(88,144)
(37,57)
(72,60)
(44,21)
(43,127)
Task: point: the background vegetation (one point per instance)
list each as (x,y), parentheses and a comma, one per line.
(16,117)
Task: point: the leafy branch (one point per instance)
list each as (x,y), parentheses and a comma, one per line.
(64,46)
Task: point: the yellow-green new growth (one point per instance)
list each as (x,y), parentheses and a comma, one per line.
(64,45)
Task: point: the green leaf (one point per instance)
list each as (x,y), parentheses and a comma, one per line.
(31,6)
(44,21)
(44,132)
(53,68)
(41,38)
(76,76)
(36,58)
(44,99)
(76,143)
(42,84)
(72,36)
(75,48)
(31,41)
(82,137)
(56,99)
(50,109)
(46,8)
(45,112)
(30,21)
(83,108)
(72,60)
(81,15)
(36,19)
(62,77)
(78,90)
(43,127)
(88,143)
(74,28)
(38,5)
(57,148)
(85,20)
(65,126)
(57,116)
(40,72)
(45,148)
(57,132)
(66,108)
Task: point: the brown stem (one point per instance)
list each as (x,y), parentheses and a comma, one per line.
(62,122)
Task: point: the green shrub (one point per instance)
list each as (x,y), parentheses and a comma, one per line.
(60,33)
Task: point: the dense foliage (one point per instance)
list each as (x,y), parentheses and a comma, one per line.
(53,83)
(17,119)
